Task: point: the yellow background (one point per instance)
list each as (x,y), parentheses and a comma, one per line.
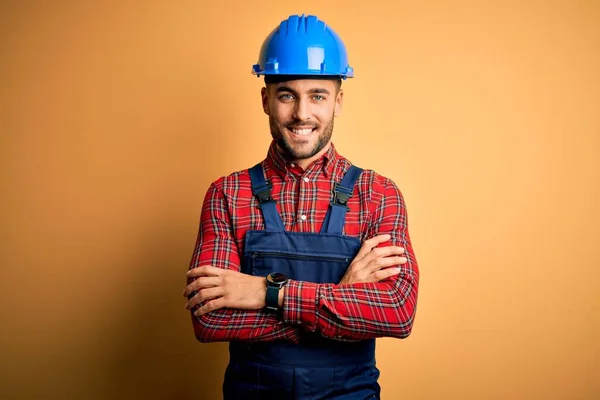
(115,117)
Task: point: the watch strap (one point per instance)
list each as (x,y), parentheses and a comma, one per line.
(272,300)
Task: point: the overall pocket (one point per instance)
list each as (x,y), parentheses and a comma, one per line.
(309,268)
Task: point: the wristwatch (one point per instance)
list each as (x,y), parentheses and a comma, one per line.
(275,281)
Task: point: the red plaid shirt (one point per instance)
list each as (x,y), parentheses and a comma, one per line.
(348,312)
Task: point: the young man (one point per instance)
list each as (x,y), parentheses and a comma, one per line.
(303,260)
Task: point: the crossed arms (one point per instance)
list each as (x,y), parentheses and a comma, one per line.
(376,297)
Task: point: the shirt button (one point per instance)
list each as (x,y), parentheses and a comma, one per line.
(305,179)
(303,217)
(292,165)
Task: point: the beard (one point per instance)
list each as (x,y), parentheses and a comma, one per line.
(299,153)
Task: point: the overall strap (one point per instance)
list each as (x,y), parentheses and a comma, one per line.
(262,191)
(336,215)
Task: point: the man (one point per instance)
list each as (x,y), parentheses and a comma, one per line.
(304,259)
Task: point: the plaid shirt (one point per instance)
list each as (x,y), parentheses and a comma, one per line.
(348,312)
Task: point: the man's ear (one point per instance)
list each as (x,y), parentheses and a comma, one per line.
(265,100)
(339,102)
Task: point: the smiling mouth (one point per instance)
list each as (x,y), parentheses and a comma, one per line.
(302,131)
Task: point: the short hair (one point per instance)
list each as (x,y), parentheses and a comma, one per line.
(337,80)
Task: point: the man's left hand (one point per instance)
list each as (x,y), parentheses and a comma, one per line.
(222,288)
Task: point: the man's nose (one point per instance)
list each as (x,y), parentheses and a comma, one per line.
(302,110)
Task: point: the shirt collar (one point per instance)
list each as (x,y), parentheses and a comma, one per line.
(282,165)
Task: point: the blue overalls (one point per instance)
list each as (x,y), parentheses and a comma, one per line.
(317,367)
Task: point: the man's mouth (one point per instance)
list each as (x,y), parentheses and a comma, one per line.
(303,130)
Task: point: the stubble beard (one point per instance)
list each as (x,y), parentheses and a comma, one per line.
(288,149)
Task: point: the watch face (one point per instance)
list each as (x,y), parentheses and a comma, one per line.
(276,277)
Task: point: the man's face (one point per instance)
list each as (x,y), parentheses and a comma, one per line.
(301,114)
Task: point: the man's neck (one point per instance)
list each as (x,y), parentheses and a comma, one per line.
(304,163)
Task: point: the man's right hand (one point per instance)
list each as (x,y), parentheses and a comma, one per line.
(372,263)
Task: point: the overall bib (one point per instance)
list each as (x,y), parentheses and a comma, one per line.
(317,367)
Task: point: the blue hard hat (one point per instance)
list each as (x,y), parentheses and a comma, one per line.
(303,45)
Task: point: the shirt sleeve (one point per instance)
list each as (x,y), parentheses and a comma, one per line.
(363,310)
(216,246)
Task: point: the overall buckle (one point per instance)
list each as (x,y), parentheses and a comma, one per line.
(263,195)
(340,198)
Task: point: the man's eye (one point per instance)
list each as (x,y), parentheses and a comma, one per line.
(318,97)
(286,96)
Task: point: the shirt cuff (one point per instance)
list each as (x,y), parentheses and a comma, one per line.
(300,304)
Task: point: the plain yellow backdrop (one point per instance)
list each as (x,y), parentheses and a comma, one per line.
(116,116)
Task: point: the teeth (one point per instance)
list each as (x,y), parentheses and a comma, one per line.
(302,131)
